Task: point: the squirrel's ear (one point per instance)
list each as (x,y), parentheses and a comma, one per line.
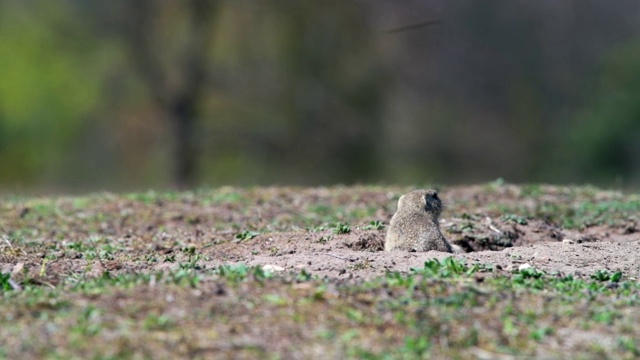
(400,201)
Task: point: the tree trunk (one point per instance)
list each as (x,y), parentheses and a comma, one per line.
(185,147)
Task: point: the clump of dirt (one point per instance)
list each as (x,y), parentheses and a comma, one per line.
(365,241)
(499,234)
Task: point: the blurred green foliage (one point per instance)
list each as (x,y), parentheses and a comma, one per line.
(317,92)
(50,85)
(607,132)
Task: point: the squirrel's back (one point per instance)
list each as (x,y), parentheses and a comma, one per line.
(414,226)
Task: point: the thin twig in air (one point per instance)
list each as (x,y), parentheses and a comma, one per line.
(412,26)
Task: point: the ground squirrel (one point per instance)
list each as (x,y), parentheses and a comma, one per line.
(414,226)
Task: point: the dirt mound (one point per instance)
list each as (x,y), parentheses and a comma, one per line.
(359,254)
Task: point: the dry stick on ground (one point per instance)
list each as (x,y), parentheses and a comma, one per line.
(339,257)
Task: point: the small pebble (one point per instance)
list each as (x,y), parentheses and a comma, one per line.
(524,266)
(272,268)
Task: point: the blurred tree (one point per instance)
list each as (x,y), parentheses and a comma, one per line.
(156,92)
(488,93)
(334,85)
(169,43)
(251,87)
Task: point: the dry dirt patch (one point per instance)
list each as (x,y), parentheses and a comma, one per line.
(358,254)
(295,229)
(141,275)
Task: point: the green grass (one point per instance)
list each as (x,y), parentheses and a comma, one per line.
(575,207)
(341,228)
(123,276)
(442,300)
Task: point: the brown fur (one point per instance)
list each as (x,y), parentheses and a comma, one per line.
(414,226)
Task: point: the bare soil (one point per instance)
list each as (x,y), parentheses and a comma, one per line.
(359,255)
(293,236)
(65,250)
(486,236)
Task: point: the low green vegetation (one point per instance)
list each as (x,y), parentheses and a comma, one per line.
(161,275)
(246,235)
(341,228)
(375,225)
(576,207)
(444,309)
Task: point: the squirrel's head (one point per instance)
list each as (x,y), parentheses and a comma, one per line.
(420,200)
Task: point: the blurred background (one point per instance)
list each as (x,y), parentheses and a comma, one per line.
(124,95)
